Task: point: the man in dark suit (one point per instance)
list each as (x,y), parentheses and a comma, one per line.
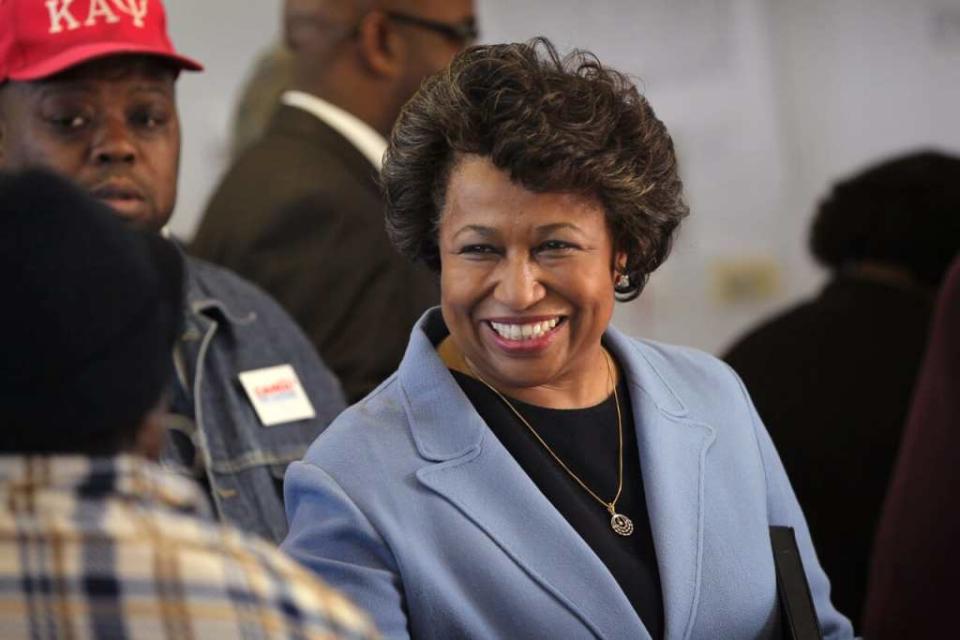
(300,212)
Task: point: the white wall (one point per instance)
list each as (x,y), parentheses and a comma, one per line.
(767,100)
(857,80)
(225,36)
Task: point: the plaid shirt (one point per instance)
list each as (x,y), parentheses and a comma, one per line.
(118,548)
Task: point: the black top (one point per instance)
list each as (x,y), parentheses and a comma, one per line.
(586,440)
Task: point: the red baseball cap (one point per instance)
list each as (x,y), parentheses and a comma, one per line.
(39,38)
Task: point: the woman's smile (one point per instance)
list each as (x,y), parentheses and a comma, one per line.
(525,335)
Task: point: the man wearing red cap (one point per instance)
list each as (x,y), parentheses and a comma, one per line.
(87,90)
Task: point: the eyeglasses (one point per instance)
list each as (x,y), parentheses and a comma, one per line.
(463,33)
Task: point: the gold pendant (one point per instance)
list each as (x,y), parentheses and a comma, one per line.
(621,524)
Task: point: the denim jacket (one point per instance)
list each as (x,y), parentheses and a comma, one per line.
(231,327)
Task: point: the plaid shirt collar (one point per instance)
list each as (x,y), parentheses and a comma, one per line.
(125,476)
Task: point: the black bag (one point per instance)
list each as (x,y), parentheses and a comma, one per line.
(798,616)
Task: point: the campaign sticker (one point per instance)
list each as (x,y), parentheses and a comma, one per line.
(277,395)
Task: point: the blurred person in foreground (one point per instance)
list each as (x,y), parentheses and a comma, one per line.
(300,212)
(913,584)
(87,91)
(832,378)
(97,540)
(530,471)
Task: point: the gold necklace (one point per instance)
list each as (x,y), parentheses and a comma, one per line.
(620,523)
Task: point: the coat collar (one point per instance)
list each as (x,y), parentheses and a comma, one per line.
(475,472)
(361,135)
(433,396)
(293,122)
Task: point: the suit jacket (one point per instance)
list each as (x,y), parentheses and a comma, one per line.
(832,379)
(410,505)
(301,215)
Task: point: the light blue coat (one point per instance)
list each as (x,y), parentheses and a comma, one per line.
(410,505)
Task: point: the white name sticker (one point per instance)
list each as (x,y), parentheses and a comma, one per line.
(277,395)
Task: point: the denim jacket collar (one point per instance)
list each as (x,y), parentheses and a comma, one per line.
(198,302)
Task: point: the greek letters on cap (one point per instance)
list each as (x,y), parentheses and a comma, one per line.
(65,17)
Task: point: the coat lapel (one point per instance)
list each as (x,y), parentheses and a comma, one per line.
(490,488)
(673,451)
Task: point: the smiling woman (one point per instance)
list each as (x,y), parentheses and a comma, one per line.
(530,471)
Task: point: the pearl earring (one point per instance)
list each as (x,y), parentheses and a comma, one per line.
(623,281)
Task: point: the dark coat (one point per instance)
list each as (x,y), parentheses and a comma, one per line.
(915,574)
(832,380)
(301,215)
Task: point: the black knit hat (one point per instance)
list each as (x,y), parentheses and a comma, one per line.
(92,309)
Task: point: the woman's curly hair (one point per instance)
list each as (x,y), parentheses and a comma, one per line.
(554,125)
(904,211)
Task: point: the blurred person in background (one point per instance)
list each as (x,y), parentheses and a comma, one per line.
(87,90)
(273,74)
(832,378)
(529,471)
(97,540)
(300,212)
(270,77)
(913,585)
